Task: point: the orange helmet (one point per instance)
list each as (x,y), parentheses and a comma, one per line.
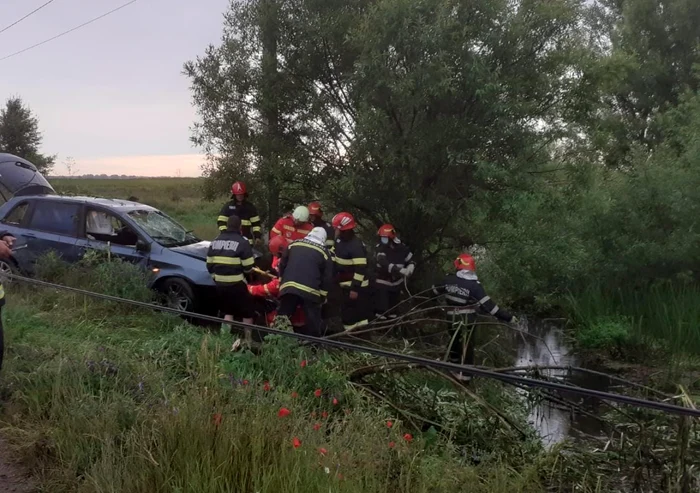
(238,188)
(387,230)
(343,221)
(277,245)
(465,262)
(315,209)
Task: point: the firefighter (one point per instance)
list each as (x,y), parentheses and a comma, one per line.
(394,264)
(229,260)
(464,296)
(271,289)
(316,218)
(307,274)
(350,272)
(294,226)
(240,206)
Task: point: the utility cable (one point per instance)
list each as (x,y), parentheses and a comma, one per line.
(417,360)
(28,15)
(68,32)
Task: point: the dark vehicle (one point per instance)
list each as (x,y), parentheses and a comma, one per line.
(137,233)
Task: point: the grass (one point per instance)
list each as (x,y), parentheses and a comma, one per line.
(180,198)
(665,315)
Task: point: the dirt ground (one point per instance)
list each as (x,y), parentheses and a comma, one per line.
(13,478)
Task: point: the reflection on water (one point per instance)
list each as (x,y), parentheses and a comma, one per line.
(545,345)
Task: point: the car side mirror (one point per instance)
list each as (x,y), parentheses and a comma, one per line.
(142,246)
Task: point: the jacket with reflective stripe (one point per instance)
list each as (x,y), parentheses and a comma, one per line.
(465,295)
(330,232)
(250,221)
(390,259)
(229,258)
(351,263)
(286,228)
(306,270)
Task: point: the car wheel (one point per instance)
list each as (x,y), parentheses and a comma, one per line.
(178,294)
(7,267)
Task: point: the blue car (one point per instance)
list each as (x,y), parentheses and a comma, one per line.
(72,226)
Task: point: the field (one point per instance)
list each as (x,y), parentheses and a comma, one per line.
(179,197)
(98,397)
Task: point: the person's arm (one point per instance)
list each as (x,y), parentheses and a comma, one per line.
(283,262)
(223,218)
(277,228)
(255,223)
(247,259)
(439,288)
(210,262)
(359,262)
(270,289)
(488,305)
(327,276)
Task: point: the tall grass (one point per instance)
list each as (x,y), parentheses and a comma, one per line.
(666,314)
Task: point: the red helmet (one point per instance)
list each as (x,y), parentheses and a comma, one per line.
(465,262)
(315,209)
(238,188)
(387,230)
(343,221)
(277,245)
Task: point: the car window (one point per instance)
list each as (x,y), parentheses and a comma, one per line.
(17,214)
(55,217)
(103,226)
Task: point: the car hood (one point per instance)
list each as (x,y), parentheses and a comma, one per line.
(199,250)
(195,250)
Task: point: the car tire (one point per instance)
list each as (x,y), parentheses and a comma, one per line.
(178,294)
(7,266)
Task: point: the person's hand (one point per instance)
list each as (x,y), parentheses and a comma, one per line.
(353,295)
(258,242)
(5,250)
(404,272)
(10,240)
(410,269)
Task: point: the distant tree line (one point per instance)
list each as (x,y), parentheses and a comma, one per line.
(556,137)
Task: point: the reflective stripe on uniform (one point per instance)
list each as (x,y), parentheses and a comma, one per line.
(222,218)
(248,261)
(276,231)
(307,245)
(359,261)
(495,310)
(389,283)
(484,299)
(347,284)
(223,227)
(225,279)
(224,260)
(460,311)
(408,257)
(2,292)
(307,289)
(256,229)
(358,277)
(343,261)
(456,299)
(288,227)
(245,222)
(255,219)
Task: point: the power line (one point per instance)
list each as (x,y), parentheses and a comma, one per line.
(28,15)
(69,31)
(438,364)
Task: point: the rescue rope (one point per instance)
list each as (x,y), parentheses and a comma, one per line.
(434,364)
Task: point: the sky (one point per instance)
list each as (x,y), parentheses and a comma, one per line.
(111,94)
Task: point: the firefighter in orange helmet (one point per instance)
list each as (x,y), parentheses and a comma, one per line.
(394,263)
(464,297)
(316,218)
(246,211)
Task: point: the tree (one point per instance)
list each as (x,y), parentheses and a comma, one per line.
(71,166)
(19,134)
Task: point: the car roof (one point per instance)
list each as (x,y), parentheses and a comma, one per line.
(116,204)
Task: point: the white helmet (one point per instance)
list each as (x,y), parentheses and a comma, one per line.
(301,214)
(317,235)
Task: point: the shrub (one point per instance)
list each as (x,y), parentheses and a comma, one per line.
(605,333)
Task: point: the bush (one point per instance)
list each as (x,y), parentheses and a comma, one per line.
(605,333)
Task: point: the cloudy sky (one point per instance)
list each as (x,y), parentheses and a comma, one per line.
(112,94)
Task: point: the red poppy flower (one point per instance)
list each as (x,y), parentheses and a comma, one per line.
(317,426)
(303,364)
(296,443)
(294,395)
(392,444)
(323,451)
(408,437)
(389,424)
(266,386)
(324,414)
(317,392)
(335,401)
(284,412)
(216,419)
(245,382)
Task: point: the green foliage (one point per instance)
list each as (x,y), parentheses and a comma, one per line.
(19,134)
(606,333)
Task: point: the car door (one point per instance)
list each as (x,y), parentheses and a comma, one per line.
(106,232)
(48,226)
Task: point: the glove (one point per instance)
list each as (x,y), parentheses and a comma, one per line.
(404,272)
(410,269)
(514,320)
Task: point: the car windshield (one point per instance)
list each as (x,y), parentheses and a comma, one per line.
(163,229)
